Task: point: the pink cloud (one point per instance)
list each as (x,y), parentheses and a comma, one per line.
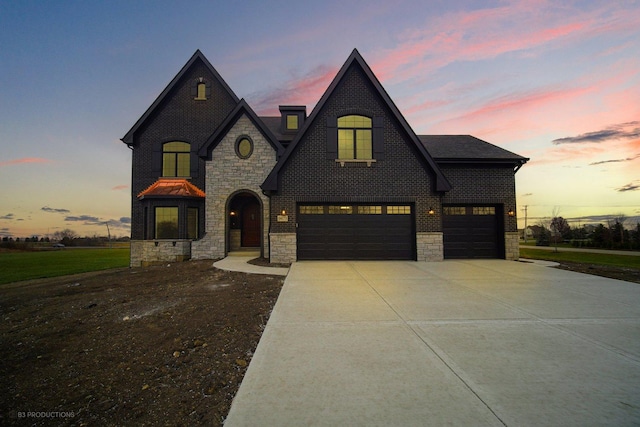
(120,187)
(305,90)
(488,33)
(25,160)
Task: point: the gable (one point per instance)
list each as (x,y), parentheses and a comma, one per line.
(241,110)
(356,90)
(177,99)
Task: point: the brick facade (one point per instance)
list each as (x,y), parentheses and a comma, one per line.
(401,171)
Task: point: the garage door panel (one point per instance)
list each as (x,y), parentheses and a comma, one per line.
(370,234)
(470,235)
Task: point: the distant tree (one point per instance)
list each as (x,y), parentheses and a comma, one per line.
(66,233)
(543,236)
(561,227)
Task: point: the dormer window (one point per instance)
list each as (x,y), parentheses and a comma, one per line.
(292,122)
(292,118)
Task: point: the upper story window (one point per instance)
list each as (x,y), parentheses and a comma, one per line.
(292,122)
(200,89)
(354,138)
(176,159)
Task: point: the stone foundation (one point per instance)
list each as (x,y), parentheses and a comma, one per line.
(512,245)
(429,247)
(283,247)
(149,252)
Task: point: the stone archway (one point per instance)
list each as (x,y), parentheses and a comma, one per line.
(244,211)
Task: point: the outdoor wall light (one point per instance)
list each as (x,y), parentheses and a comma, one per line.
(431,211)
(511,212)
(232,213)
(283,212)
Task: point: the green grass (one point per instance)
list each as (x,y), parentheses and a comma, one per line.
(17,266)
(628,261)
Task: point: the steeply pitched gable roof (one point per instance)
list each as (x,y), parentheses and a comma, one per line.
(271,183)
(197,56)
(467,149)
(241,108)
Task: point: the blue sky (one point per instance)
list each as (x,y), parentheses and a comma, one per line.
(558,82)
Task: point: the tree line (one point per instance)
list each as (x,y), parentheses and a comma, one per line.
(613,235)
(67,237)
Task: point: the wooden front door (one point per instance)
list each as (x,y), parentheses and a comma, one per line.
(251,224)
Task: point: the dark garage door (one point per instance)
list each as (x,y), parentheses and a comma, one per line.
(471,232)
(353,231)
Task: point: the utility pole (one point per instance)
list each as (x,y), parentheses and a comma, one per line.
(525,223)
(108,234)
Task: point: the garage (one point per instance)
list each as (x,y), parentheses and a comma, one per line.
(472,232)
(356,231)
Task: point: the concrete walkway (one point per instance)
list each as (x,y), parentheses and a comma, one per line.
(238,261)
(461,343)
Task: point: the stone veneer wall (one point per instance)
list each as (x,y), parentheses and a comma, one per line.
(429,246)
(149,252)
(228,174)
(283,247)
(512,245)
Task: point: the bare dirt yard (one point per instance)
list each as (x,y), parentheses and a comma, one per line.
(162,345)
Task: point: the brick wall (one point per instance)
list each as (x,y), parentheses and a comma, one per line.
(226,175)
(398,177)
(178,118)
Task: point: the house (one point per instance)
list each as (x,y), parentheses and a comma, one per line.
(350,180)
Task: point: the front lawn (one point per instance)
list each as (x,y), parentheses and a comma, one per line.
(17,266)
(626,261)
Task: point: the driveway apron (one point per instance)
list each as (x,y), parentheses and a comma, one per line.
(461,343)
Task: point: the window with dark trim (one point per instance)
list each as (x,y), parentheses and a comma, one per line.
(484,210)
(244,147)
(292,121)
(398,210)
(176,159)
(355,141)
(166,223)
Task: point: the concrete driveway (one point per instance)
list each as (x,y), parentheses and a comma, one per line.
(460,343)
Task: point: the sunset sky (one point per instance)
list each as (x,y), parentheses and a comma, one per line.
(558,82)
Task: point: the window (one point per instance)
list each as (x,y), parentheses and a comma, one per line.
(398,210)
(370,210)
(484,210)
(167,223)
(176,159)
(454,210)
(340,210)
(354,138)
(244,147)
(312,210)
(192,223)
(202,92)
(292,121)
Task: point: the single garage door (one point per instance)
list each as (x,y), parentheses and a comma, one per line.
(355,231)
(472,232)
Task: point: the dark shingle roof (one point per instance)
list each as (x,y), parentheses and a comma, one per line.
(273,123)
(467,148)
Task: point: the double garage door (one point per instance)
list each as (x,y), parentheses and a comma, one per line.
(356,231)
(472,232)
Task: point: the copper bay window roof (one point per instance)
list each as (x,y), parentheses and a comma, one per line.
(172,187)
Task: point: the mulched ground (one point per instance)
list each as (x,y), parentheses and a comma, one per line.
(164,345)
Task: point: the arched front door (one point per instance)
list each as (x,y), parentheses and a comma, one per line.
(245,221)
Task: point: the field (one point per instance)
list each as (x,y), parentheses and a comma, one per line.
(622,267)
(17,266)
